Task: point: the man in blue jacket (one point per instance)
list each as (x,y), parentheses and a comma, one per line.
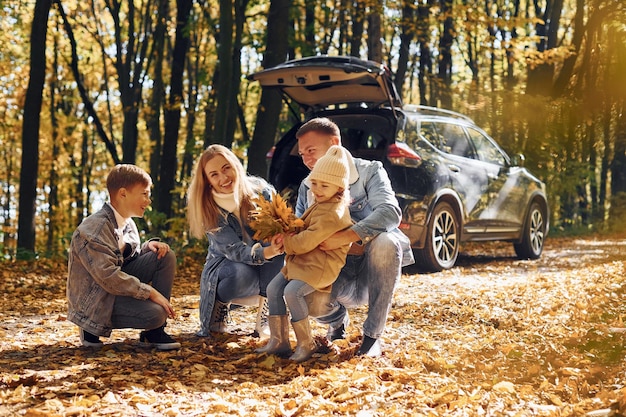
(379,248)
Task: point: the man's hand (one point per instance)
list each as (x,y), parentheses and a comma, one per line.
(158,298)
(339,239)
(160,248)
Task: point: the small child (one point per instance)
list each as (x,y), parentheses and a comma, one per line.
(110,272)
(307,267)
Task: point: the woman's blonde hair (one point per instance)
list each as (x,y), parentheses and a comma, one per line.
(202,210)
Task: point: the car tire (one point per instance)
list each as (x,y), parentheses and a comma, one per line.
(441,248)
(534,233)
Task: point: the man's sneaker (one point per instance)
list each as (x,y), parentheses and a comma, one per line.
(336,334)
(369,347)
(89,340)
(338,331)
(157,338)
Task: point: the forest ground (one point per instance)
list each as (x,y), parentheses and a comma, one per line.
(495,336)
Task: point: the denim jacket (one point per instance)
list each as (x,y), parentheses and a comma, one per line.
(373,207)
(95,275)
(227,241)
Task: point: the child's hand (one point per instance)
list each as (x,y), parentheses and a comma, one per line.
(160,248)
(158,298)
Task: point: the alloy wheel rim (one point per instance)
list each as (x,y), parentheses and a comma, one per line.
(444,238)
(536,231)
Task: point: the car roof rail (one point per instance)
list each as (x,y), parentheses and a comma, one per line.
(418,108)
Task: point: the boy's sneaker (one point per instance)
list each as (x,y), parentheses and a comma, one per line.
(89,340)
(157,338)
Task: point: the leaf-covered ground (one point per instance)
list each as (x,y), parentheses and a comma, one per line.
(495,336)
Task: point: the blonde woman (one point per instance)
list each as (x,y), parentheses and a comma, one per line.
(237,268)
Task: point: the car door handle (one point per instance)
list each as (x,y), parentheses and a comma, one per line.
(454,168)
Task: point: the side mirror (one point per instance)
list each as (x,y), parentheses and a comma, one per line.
(518,160)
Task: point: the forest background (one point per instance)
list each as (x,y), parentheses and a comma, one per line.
(86,85)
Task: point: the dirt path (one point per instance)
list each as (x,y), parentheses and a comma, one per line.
(494,336)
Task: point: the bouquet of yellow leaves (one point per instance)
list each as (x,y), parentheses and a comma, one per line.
(273,217)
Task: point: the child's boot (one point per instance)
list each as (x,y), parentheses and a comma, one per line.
(279,336)
(306,345)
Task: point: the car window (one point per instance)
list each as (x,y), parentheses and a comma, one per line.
(454,140)
(375,141)
(351,138)
(485,149)
(355,139)
(429,133)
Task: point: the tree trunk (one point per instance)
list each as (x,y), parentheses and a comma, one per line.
(169,161)
(224,56)
(618,165)
(8,235)
(30,130)
(357,27)
(131,66)
(445,42)
(342,27)
(235,74)
(510,49)
(425,59)
(308,47)
(270,105)
(78,77)
(567,71)
(540,78)
(445,54)
(193,81)
(406,37)
(153,122)
(374,33)
(53,198)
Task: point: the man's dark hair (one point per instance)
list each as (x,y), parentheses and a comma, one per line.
(320,125)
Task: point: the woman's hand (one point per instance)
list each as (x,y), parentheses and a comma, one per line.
(275,248)
(277,240)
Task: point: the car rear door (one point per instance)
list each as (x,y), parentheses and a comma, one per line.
(320,82)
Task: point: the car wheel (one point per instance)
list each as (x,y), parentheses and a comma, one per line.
(442,242)
(534,233)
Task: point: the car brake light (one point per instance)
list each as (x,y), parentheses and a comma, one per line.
(400,154)
(270,153)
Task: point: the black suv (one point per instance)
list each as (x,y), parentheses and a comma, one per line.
(453,182)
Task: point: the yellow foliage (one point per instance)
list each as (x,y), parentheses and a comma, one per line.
(273,217)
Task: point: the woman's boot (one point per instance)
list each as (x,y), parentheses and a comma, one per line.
(306,345)
(219,316)
(279,337)
(262,329)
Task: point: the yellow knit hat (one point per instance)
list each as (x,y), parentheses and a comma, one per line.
(332,168)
